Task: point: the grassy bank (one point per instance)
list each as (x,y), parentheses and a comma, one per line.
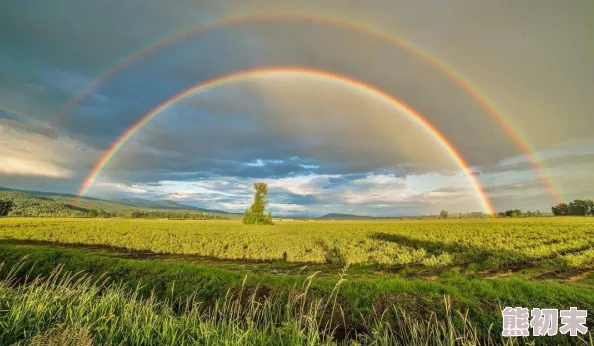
(357,299)
(71,309)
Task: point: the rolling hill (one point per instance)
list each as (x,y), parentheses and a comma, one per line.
(337,216)
(164,204)
(48,204)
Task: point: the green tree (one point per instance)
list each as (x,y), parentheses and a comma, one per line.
(577,207)
(513,213)
(254,215)
(589,207)
(561,209)
(5,207)
(443,214)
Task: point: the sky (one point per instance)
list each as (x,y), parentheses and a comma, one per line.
(322,146)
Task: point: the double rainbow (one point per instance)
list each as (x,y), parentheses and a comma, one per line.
(290,72)
(512,131)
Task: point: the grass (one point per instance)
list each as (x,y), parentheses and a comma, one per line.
(421,300)
(542,263)
(77,309)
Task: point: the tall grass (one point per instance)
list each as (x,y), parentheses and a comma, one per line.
(67,308)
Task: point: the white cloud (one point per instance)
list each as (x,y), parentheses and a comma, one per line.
(301,185)
(288,208)
(30,167)
(137,189)
(26,153)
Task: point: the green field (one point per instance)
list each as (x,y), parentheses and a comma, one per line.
(394,274)
(478,243)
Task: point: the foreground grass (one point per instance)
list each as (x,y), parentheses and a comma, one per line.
(361,305)
(75,309)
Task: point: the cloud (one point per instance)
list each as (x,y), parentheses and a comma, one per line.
(24,126)
(304,134)
(570,153)
(27,151)
(284,136)
(369,194)
(16,166)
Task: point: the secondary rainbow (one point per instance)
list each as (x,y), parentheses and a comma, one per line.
(289,72)
(508,125)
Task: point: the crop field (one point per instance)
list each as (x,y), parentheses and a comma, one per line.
(488,244)
(373,282)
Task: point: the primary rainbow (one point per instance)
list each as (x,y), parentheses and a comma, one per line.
(511,129)
(288,72)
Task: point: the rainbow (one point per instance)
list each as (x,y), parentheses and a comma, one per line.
(511,129)
(288,72)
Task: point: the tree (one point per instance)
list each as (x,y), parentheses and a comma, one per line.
(578,207)
(443,214)
(589,207)
(561,209)
(513,213)
(5,207)
(254,215)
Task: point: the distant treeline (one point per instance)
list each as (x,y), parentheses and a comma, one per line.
(16,203)
(177,215)
(579,207)
(520,213)
(503,214)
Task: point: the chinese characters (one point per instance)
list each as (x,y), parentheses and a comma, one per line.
(544,322)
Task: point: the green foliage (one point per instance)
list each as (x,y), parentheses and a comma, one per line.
(28,205)
(513,213)
(581,207)
(561,209)
(65,309)
(470,215)
(75,309)
(175,215)
(5,207)
(532,213)
(443,214)
(578,207)
(61,335)
(254,215)
(24,204)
